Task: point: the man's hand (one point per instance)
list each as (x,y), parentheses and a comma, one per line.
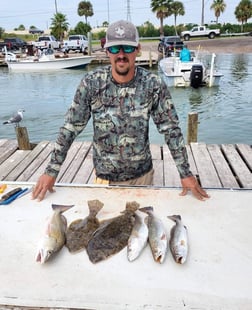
(191,184)
(44,184)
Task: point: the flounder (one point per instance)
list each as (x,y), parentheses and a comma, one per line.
(112,235)
(79,231)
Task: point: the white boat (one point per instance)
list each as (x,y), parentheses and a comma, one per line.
(46,62)
(191,73)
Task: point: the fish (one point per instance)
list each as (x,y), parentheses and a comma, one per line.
(139,236)
(80,231)
(178,240)
(112,235)
(54,238)
(157,235)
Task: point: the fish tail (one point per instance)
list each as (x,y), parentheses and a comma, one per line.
(148,209)
(61,208)
(174,217)
(132,206)
(95,206)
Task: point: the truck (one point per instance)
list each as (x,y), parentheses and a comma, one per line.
(45,42)
(76,42)
(13,44)
(200,31)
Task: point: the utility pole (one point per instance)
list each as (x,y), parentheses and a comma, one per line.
(202,12)
(128,11)
(56,8)
(108,9)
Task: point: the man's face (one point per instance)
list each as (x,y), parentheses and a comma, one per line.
(123,62)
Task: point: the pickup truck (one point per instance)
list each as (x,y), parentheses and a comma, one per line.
(76,42)
(200,31)
(13,44)
(45,42)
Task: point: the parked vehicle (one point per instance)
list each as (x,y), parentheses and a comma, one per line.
(45,42)
(168,45)
(36,31)
(200,31)
(13,44)
(76,42)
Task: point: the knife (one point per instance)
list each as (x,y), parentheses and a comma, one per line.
(13,197)
(10,193)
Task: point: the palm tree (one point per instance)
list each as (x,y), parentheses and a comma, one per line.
(243,11)
(177,8)
(219,7)
(59,25)
(162,8)
(85,8)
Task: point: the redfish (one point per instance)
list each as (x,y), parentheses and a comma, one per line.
(54,237)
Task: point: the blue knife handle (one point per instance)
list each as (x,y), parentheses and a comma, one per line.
(13,197)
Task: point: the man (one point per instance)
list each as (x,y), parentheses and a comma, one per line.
(185,54)
(121,98)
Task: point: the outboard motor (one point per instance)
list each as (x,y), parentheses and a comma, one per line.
(196,76)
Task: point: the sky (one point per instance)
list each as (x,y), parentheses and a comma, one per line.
(39,13)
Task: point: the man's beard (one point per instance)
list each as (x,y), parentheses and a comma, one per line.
(122,73)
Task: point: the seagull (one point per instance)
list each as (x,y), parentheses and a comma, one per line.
(15,119)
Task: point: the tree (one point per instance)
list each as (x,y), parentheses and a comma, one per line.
(59,25)
(162,8)
(177,8)
(82,28)
(243,11)
(85,8)
(219,7)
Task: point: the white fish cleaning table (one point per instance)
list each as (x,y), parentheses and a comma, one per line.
(217,274)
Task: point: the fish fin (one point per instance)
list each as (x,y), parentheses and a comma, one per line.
(174,218)
(95,206)
(132,206)
(62,208)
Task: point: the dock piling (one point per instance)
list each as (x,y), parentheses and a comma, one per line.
(22,138)
(192,127)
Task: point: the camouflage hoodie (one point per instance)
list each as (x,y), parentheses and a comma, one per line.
(120,115)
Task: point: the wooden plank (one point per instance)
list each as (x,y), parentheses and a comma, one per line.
(158,178)
(85,170)
(11,163)
(239,167)
(225,174)
(171,175)
(72,170)
(74,149)
(246,152)
(2,141)
(34,160)
(192,164)
(156,152)
(207,174)
(7,148)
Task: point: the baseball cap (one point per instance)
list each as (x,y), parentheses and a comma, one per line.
(121,32)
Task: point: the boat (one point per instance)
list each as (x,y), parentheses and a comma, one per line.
(192,73)
(47,61)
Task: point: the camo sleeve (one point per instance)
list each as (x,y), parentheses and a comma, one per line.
(166,119)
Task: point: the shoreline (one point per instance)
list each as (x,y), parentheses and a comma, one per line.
(227,45)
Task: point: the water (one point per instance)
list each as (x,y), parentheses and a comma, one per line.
(225,112)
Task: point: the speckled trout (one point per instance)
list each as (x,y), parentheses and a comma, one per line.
(54,237)
(139,236)
(178,240)
(157,235)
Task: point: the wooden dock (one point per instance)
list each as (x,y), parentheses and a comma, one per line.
(216,166)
